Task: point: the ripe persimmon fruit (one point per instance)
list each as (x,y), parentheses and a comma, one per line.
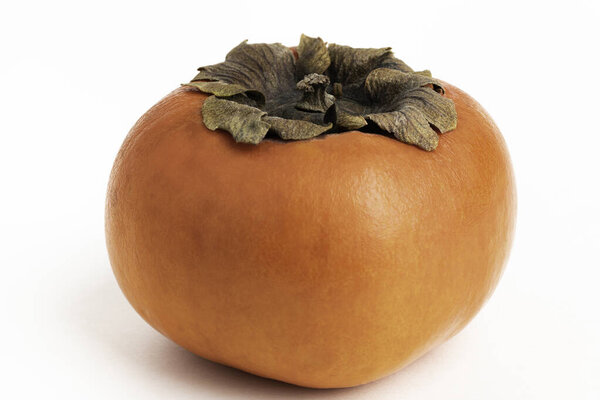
(328,261)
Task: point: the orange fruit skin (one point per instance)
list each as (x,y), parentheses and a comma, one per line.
(324,263)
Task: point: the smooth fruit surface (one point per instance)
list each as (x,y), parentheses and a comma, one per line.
(328,262)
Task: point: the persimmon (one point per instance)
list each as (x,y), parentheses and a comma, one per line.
(307,219)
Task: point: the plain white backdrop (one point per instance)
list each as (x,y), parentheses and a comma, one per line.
(75,76)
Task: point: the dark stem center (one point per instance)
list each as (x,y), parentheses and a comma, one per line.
(315,98)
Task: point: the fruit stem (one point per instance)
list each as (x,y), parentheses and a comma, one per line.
(314,98)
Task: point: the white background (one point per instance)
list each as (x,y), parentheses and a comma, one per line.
(74,78)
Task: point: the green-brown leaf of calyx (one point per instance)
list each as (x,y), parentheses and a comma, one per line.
(243,122)
(261,88)
(313,57)
(290,129)
(221,89)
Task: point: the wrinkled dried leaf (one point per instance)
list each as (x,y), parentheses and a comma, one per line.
(439,110)
(291,129)
(268,68)
(350,122)
(313,57)
(243,122)
(222,89)
(343,120)
(408,125)
(425,72)
(350,65)
(385,84)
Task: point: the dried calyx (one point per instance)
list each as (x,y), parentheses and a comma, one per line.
(262,88)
